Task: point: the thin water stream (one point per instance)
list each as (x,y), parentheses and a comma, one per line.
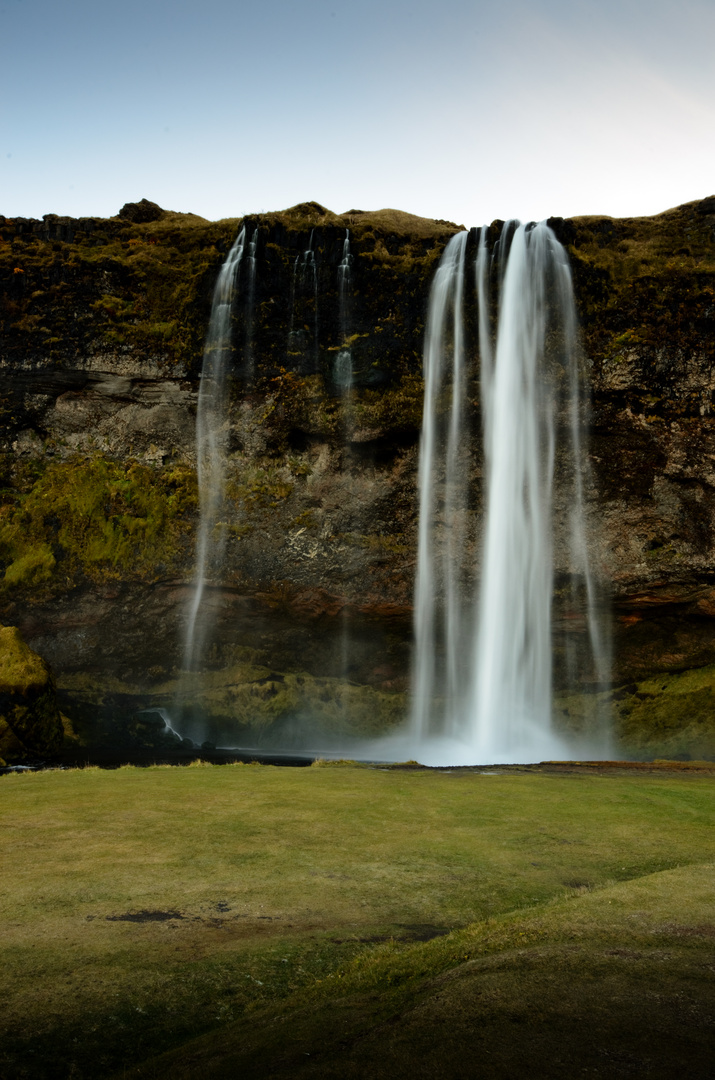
(212,422)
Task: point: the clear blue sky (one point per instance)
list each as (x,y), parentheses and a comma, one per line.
(447,108)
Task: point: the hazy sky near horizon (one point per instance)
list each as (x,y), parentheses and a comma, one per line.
(468,110)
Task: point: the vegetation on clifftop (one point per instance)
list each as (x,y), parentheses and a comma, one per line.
(144,287)
(645,289)
(108,285)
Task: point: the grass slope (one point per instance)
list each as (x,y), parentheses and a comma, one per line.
(284,912)
(617,982)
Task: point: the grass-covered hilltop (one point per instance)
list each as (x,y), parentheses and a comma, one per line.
(102,331)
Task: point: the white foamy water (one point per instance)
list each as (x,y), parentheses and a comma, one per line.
(212,441)
(483,662)
(437,469)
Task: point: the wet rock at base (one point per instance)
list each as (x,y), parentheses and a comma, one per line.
(30,721)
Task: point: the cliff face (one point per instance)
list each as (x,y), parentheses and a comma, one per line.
(646,297)
(102,330)
(100,362)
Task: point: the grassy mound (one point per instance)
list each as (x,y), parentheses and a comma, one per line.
(278,914)
(577,989)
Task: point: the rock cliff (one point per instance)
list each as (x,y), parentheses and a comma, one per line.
(103,323)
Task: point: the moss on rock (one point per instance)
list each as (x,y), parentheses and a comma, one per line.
(96,518)
(669,716)
(30,721)
(244,704)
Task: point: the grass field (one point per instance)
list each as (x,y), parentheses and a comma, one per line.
(350,921)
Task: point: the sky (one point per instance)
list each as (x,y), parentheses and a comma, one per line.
(467,110)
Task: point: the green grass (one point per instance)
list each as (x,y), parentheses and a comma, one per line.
(617,982)
(301,893)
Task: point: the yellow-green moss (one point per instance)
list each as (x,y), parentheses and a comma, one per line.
(261,483)
(32,567)
(397,407)
(669,716)
(97,517)
(259,700)
(20,668)
(30,721)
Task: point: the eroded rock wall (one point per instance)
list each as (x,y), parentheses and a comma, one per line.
(102,332)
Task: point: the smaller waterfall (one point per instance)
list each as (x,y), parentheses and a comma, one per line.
(212,441)
(343,367)
(250,305)
(343,378)
(345,288)
(304,300)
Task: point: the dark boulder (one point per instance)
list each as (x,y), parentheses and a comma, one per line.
(142,212)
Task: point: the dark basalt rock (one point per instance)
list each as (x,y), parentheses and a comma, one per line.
(141,213)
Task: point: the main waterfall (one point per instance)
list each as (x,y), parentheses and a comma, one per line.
(482,684)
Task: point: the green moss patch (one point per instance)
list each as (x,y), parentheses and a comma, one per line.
(21,669)
(245,704)
(671,716)
(94,517)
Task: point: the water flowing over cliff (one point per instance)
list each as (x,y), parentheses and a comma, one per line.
(483,664)
(212,440)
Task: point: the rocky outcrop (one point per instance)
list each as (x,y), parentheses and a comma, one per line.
(30,722)
(100,354)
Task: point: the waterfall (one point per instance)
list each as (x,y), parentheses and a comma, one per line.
(343,367)
(438,459)
(511,700)
(212,440)
(344,288)
(250,305)
(344,382)
(304,297)
(482,672)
